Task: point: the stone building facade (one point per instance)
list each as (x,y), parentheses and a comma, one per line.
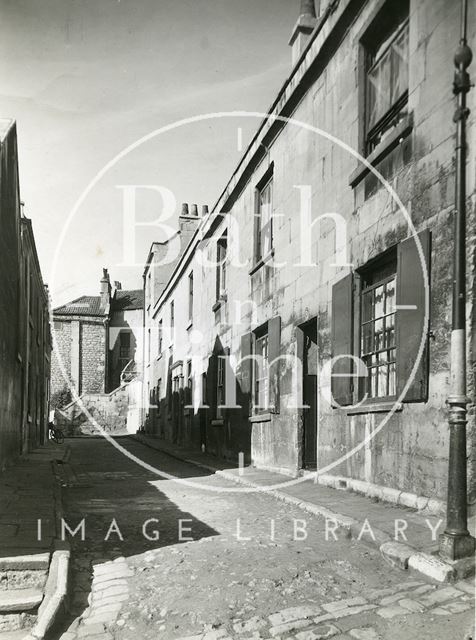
(331,330)
(25,339)
(96,338)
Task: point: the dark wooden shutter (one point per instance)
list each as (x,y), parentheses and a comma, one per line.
(410,322)
(342,340)
(212,385)
(245,373)
(300,356)
(274,351)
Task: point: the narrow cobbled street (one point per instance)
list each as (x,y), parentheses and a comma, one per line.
(226,564)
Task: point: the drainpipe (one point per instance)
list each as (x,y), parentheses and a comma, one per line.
(456,542)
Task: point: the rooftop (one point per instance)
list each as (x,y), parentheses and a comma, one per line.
(128,300)
(83,306)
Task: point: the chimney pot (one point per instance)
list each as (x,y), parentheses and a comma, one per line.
(308,8)
(105,290)
(204,210)
(194,210)
(185,209)
(303,28)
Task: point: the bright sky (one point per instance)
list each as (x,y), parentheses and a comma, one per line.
(86,78)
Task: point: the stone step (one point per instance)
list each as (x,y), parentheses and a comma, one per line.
(20,600)
(32,562)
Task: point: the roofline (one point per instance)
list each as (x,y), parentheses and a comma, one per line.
(29,225)
(317,29)
(245,160)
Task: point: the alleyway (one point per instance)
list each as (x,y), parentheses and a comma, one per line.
(265,586)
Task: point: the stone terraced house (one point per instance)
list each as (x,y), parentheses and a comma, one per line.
(343,262)
(25,338)
(98,338)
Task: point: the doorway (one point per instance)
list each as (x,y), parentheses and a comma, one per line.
(309,389)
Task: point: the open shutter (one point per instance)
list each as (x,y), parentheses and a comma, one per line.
(342,340)
(411,327)
(245,373)
(274,351)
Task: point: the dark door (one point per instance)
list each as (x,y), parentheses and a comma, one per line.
(310,421)
(309,388)
(203,414)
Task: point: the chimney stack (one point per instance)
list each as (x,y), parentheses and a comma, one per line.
(105,290)
(302,29)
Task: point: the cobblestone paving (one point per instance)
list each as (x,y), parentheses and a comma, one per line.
(253,568)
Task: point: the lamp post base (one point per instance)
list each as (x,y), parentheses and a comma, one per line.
(456,547)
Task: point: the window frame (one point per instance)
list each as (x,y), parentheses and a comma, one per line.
(160,336)
(221,386)
(385,19)
(259,335)
(221,272)
(388,259)
(266,182)
(190,297)
(172,321)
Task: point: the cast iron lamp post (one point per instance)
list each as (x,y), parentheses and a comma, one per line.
(456,542)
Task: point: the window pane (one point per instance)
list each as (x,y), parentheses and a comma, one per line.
(367,306)
(373,382)
(390,297)
(378,335)
(379,302)
(392,379)
(399,54)
(379,93)
(389,331)
(367,338)
(387,78)
(264,231)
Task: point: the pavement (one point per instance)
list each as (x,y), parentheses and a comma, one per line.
(27,495)
(166,549)
(386,521)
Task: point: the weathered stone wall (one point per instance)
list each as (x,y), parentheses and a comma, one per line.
(24,321)
(410,451)
(109,411)
(10,382)
(81,345)
(62,351)
(93,357)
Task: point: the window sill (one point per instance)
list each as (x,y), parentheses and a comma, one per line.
(190,325)
(401,131)
(260,417)
(261,262)
(219,422)
(375,407)
(218,304)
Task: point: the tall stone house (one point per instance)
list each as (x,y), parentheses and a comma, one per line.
(316,262)
(25,338)
(98,340)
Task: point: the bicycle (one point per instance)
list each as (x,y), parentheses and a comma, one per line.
(55,434)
